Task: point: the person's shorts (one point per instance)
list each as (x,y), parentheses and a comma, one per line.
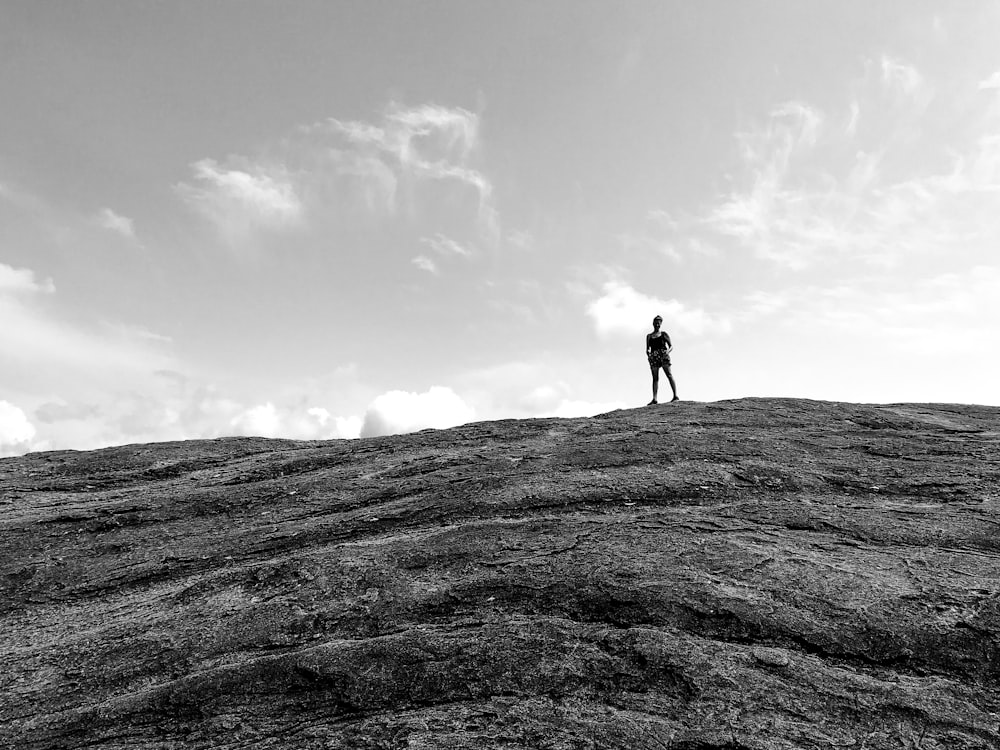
(658,358)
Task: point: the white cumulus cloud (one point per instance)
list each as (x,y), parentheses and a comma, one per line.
(993,82)
(22,280)
(397,412)
(621,310)
(16,431)
(347,427)
(261,421)
(312,423)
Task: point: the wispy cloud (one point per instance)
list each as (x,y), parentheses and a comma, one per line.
(446,246)
(115,222)
(809,196)
(419,137)
(409,160)
(521,240)
(942,313)
(425,264)
(428,142)
(56,351)
(755,214)
(23,199)
(853,117)
(79,377)
(243,196)
(899,76)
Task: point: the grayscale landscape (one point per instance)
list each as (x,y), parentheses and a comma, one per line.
(499,375)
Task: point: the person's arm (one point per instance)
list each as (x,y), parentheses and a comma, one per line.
(669,343)
(647,344)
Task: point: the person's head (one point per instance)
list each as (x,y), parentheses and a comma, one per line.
(657,321)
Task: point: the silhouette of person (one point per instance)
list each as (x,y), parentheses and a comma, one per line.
(658,348)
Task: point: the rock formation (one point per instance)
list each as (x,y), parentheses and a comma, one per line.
(752,574)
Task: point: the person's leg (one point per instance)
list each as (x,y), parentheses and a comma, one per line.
(670,379)
(656,382)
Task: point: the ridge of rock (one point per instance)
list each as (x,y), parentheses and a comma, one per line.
(756,574)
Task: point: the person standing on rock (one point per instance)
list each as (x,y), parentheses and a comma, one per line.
(658,348)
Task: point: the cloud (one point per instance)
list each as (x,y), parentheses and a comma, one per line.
(851,128)
(243,197)
(293,422)
(443,247)
(59,411)
(901,77)
(262,421)
(22,199)
(114,222)
(877,337)
(409,161)
(43,351)
(653,242)
(680,238)
(945,313)
(521,240)
(806,196)
(992,82)
(16,431)
(348,427)
(419,137)
(182,410)
(343,427)
(535,389)
(408,145)
(623,311)
(62,226)
(375,182)
(552,401)
(22,280)
(397,412)
(79,385)
(86,386)
(446,246)
(791,128)
(453,128)
(132,332)
(751,215)
(425,264)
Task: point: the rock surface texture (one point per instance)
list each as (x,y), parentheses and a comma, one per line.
(760,573)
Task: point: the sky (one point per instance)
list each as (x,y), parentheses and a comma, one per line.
(339,219)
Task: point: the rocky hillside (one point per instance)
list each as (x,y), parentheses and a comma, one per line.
(761,573)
